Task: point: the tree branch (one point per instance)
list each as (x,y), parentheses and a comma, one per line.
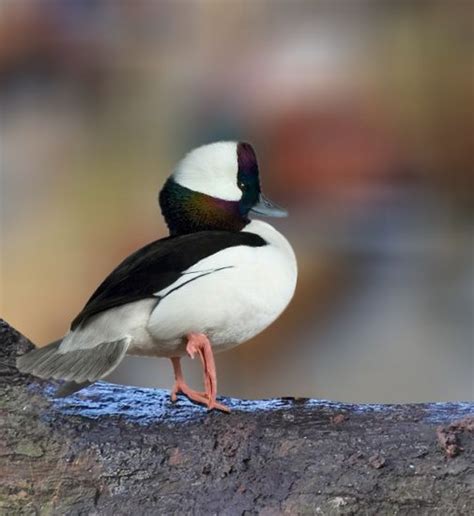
(123,450)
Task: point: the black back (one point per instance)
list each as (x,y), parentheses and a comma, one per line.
(157,266)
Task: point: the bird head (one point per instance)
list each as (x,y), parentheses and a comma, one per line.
(215,187)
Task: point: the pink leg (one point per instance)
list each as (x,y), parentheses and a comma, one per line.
(198,343)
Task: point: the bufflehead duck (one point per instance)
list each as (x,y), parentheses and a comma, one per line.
(216,281)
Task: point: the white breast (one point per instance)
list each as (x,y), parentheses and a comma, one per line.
(231,305)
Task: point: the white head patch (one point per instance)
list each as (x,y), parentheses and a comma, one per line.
(212,170)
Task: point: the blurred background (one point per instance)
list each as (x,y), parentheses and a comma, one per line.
(362,115)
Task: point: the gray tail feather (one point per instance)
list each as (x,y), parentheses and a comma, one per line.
(70,388)
(78,365)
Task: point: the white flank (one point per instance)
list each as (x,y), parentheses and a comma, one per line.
(230,305)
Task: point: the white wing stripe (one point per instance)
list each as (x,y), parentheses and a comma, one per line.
(184,279)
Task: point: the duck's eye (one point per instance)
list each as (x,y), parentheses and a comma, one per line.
(242,186)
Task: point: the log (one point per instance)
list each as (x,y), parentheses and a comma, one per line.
(116,450)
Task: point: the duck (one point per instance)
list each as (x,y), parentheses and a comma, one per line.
(217,280)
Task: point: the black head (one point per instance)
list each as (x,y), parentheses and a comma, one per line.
(215,187)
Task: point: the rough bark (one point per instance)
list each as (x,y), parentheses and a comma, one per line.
(123,450)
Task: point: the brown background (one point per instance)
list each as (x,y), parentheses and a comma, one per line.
(362,115)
